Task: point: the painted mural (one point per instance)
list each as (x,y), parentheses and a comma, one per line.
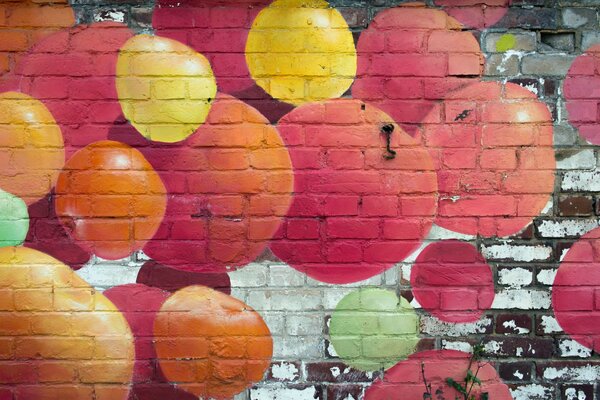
(240,130)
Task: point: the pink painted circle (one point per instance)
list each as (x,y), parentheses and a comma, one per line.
(216,28)
(576,291)
(355,213)
(478,14)
(404,380)
(492,145)
(452,281)
(582,92)
(408,59)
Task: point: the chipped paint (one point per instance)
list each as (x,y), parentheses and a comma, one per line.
(512,324)
(526,253)
(522,299)
(515,277)
(550,324)
(284,371)
(571,348)
(433,326)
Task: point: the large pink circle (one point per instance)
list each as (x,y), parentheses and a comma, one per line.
(216,28)
(478,14)
(452,281)
(73,73)
(354,213)
(405,380)
(582,92)
(409,58)
(576,291)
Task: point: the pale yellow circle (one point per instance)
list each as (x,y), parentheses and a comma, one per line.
(165,88)
(300,51)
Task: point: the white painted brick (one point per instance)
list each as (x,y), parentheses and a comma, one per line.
(584,181)
(546,276)
(586,373)
(550,324)
(284,371)
(531,392)
(103,275)
(526,253)
(434,327)
(566,227)
(296,299)
(281,393)
(375,280)
(305,324)
(332,296)
(522,299)
(571,348)
(275,321)
(252,275)
(515,277)
(584,159)
(291,347)
(259,299)
(457,345)
(284,275)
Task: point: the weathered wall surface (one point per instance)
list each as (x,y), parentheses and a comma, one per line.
(299,199)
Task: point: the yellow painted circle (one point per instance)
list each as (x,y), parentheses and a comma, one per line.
(300,51)
(165,87)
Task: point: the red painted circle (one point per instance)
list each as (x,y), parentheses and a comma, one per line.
(354,212)
(216,28)
(582,92)
(229,185)
(409,58)
(576,291)
(405,381)
(73,73)
(478,14)
(452,281)
(492,146)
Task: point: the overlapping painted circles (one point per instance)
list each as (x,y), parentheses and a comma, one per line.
(410,57)
(32,148)
(110,199)
(492,148)
(575,291)
(452,281)
(229,185)
(355,213)
(165,88)
(59,337)
(211,344)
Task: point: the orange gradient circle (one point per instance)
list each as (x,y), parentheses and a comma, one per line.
(211,344)
(59,337)
(31,147)
(110,199)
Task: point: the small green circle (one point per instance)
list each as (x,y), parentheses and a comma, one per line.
(372,329)
(508,41)
(14,220)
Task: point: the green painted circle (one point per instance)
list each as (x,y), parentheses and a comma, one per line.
(372,329)
(14,220)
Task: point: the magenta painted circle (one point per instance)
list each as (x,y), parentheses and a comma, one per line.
(452,281)
(582,94)
(355,213)
(576,291)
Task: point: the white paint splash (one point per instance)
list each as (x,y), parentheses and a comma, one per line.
(515,277)
(513,325)
(284,371)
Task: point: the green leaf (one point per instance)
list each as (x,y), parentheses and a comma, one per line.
(426,396)
(452,383)
(485,396)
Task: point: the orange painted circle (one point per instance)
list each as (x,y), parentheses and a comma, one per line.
(211,344)
(493,149)
(59,337)
(31,147)
(230,185)
(110,199)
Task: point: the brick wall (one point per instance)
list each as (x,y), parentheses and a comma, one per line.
(296,199)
